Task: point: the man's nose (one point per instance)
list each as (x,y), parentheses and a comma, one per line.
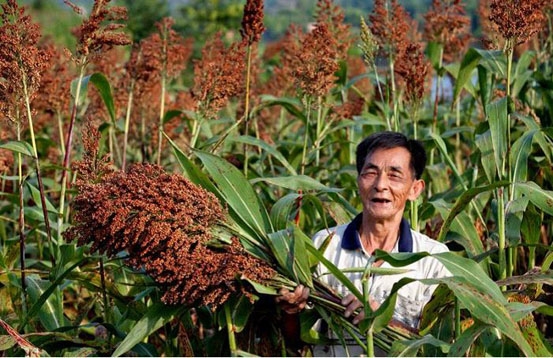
(381,182)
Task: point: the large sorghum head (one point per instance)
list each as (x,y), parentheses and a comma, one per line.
(164,223)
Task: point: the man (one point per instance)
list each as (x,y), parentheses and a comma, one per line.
(389,168)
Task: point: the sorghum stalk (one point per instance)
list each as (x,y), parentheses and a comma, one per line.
(127,124)
(37,166)
(247,105)
(307,100)
(68,144)
(230,331)
(164,40)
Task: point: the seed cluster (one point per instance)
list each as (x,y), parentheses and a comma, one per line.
(164,223)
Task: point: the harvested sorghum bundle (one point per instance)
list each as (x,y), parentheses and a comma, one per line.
(164,222)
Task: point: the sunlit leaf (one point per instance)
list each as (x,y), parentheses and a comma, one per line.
(499,125)
(298,182)
(410,348)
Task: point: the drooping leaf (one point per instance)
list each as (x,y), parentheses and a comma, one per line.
(541,198)
(463,343)
(102,85)
(268,148)
(468,64)
(35,193)
(50,312)
(156,316)
(520,152)
(484,143)
(410,348)
(499,125)
(461,204)
(297,182)
(237,192)
(19,147)
(281,210)
(289,248)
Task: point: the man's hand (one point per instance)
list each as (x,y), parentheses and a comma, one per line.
(293,302)
(352,304)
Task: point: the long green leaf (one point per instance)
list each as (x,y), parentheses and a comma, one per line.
(35,193)
(155,317)
(19,147)
(238,193)
(485,146)
(541,198)
(102,85)
(298,182)
(463,201)
(50,312)
(520,152)
(268,148)
(281,210)
(289,249)
(468,64)
(499,125)
(486,308)
(462,344)
(410,348)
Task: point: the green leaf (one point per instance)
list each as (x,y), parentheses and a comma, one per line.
(499,125)
(484,307)
(292,105)
(50,311)
(35,193)
(461,204)
(268,148)
(335,271)
(281,210)
(528,278)
(237,192)
(410,348)
(485,145)
(541,198)
(102,85)
(297,182)
(519,154)
(6,342)
(156,316)
(289,249)
(463,343)
(19,147)
(468,64)
(471,272)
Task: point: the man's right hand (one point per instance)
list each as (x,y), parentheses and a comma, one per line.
(293,302)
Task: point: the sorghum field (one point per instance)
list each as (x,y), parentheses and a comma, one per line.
(153,202)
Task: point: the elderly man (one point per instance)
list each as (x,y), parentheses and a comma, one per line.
(389,170)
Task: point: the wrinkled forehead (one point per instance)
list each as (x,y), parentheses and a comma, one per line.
(388,158)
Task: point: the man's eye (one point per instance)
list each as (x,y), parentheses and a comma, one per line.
(395,175)
(369,173)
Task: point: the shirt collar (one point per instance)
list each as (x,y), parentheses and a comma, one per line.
(350,240)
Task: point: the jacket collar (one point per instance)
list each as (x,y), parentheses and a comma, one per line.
(350,240)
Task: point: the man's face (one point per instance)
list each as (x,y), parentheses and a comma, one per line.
(386,183)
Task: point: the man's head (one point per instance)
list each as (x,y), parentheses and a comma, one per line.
(389,167)
(389,140)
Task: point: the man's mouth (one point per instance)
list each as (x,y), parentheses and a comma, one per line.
(380,200)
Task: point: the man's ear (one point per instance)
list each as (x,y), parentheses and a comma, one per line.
(416,189)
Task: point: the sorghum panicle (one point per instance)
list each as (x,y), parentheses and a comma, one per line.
(252,21)
(390,27)
(315,73)
(21,60)
(447,24)
(412,69)
(164,223)
(100,30)
(218,75)
(333,16)
(518,20)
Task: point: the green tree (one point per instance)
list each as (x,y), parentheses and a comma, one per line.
(143,14)
(201,19)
